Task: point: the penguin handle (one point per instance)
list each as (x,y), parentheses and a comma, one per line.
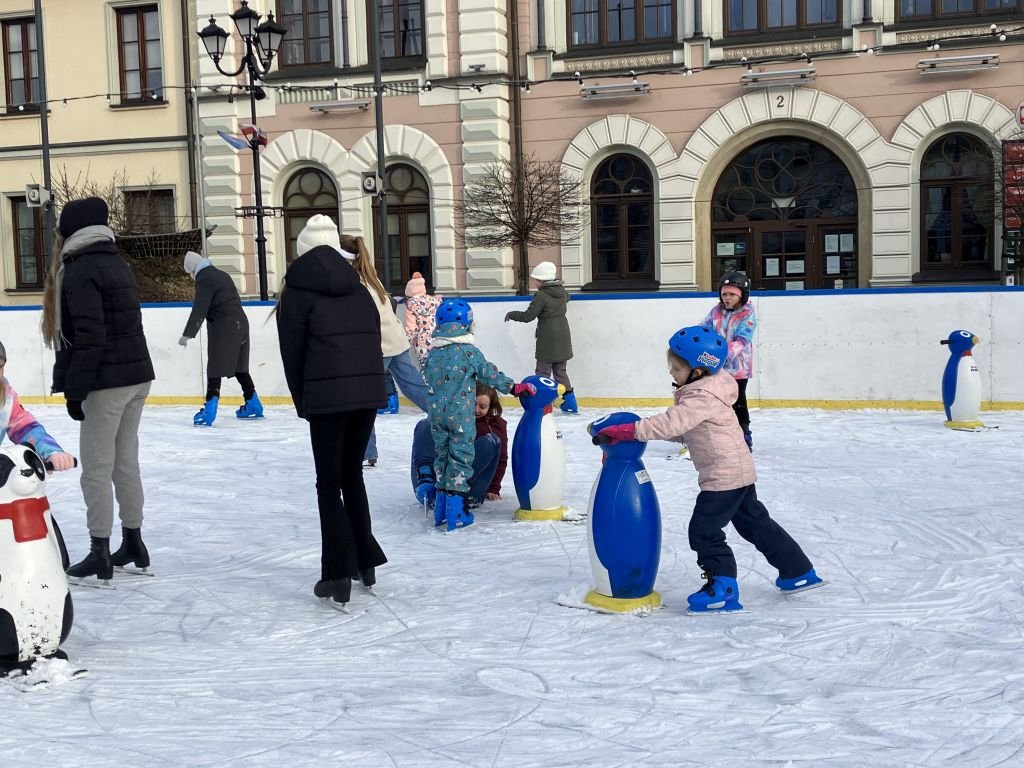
(49,465)
(600,439)
(944,341)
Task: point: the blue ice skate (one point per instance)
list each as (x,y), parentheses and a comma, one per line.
(808,580)
(207,413)
(251,409)
(440,506)
(425,489)
(719,595)
(569,403)
(392,406)
(456,512)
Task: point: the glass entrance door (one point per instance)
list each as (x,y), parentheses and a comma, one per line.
(782,258)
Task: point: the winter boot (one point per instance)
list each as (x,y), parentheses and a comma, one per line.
(808,580)
(569,403)
(252,409)
(96,563)
(456,512)
(132,550)
(339,590)
(440,506)
(749,440)
(207,413)
(425,490)
(392,406)
(719,595)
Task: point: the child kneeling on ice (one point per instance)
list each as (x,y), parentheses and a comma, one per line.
(704,418)
(454,367)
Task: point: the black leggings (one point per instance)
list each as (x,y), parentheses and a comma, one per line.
(347,542)
(244,380)
(740,407)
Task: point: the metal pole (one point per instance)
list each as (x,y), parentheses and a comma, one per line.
(383,249)
(261,240)
(201,191)
(49,215)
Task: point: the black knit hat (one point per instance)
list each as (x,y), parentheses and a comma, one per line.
(78,214)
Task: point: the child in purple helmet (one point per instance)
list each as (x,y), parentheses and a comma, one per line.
(703,416)
(454,366)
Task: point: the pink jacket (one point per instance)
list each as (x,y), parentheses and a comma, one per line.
(419,323)
(703,417)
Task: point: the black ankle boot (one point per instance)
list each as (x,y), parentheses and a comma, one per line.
(339,589)
(368,576)
(132,549)
(96,563)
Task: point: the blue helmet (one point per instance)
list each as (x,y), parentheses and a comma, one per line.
(455,311)
(700,347)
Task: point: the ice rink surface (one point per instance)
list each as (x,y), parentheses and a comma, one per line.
(912,655)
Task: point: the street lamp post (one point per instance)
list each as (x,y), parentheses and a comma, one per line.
(261,44)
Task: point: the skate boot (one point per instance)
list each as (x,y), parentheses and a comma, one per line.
(96,563)
(392,406)
(719,595)
(368,576)
(808,580)
(569,403)
(207,413)
(252,409)
(132,550)
(425,490)
(339,590)
(440,506)
(456,512)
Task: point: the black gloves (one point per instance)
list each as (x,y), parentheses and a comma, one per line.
(75,410)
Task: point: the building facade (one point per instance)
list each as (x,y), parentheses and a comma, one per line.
(117,119)
(811,143)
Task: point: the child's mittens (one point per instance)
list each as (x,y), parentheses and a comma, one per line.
(620,433)
(523,389)
(184,340)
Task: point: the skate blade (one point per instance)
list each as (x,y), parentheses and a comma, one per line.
(715,612)
(340,607)
(91,583)
(131,570)
(804,588)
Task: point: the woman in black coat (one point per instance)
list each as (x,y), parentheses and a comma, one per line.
(329,334)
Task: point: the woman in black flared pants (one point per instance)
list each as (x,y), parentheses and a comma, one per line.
(329,333)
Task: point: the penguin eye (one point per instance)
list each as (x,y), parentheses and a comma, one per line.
(965,334)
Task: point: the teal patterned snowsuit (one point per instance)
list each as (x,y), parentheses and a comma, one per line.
(453,368)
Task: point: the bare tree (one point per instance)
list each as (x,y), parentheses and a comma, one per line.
(1010,196)
(111,191)
(535,204)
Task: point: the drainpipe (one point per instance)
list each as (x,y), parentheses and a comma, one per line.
(191,117)
(697,8)
(522,249)
(541,42)
(344,35)
(49,214)
(867,12)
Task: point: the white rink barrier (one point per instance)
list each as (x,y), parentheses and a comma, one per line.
(862,348)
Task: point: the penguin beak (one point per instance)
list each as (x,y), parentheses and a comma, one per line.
(975,340)
(561,390)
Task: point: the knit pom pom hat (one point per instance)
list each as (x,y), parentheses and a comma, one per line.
(319,230)
(416,286)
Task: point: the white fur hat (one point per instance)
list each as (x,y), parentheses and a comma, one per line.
(319,230)
(192,260)
(544,271)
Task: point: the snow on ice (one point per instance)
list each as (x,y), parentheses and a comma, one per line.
(910,656)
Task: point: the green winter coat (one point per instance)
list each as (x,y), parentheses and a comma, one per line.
(554,342)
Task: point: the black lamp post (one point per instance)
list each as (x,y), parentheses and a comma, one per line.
(261,44)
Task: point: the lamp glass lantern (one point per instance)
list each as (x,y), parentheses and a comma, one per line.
(215,40)
(245,19)
(269,35)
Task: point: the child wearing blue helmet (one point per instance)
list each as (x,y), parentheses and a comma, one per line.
(454,366)
(703,416)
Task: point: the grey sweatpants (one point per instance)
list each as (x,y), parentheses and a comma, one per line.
(108,450)
(556,371)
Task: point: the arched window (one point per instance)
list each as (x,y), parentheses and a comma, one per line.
(308,192)
(409,241)
(957,196)
(622,224)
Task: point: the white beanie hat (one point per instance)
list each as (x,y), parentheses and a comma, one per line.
(192,260)
(417,285)
(544,271)
(319,230)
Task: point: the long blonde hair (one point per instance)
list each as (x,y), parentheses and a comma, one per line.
(363,264)
(48,322)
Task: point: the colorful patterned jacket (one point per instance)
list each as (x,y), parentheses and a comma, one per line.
(22,428)
(737,326)
(454,366)
(420,322)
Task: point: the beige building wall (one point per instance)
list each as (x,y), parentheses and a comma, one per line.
(92,135)
(875,111)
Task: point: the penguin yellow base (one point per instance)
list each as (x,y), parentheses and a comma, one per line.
(964,424)
(620,604)
(541,514)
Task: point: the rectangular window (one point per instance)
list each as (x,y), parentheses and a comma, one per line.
(149,212)
(401,28)
(595,23)
(939,9)
(28,244)
(309,37)
(139,54)
(21,65)
(745,17)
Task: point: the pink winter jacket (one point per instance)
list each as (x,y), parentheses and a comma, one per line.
(704,418)
(419,323)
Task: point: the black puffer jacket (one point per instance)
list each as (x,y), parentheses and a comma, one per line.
(227,326)
(101,321)
(328,329)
